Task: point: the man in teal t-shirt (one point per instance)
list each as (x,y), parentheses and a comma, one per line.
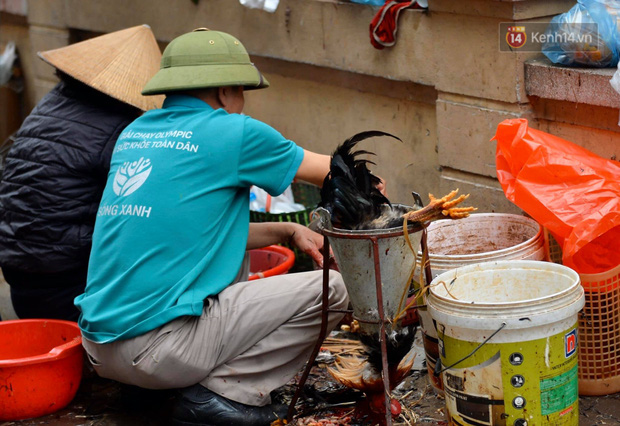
(167,303)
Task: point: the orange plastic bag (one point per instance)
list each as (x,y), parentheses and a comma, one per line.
(567,189)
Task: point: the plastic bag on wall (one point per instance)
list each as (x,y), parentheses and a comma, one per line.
(567,189)
(6,63)
(268,5)
(615,80)
(369,2)
(615,83)
(588,34)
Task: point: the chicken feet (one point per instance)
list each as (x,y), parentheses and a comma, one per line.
(441,208)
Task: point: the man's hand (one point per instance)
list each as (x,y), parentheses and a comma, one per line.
(306,240)
(309,242)
(382,186)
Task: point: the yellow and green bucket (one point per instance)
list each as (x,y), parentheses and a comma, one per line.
(507,335)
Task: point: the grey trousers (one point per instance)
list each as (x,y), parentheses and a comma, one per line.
(251,338)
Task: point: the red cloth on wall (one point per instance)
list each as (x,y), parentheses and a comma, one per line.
(384,25)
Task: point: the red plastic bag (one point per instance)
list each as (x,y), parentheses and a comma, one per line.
(567,189)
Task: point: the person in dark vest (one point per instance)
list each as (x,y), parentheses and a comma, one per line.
(57,167)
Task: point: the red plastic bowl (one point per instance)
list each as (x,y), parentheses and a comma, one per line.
(270,261)
(40,366)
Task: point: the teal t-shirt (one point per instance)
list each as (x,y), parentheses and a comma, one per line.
(172,225)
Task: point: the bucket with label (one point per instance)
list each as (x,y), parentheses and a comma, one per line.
(481,237)
(507,335)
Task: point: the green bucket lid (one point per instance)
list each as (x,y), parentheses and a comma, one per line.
(203,59)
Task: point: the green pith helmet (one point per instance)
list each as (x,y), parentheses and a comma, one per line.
(203,59)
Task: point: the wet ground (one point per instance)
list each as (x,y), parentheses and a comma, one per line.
(102,402)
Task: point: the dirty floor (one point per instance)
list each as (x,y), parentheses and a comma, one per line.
(102,402)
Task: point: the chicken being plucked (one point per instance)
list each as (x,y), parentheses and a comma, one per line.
(351,198)
(349,192)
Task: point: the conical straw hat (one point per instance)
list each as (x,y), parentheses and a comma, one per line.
(118,64)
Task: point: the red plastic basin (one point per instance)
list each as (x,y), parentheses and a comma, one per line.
(270,261)
(40,366)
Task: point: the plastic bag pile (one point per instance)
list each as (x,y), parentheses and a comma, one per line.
(569,190)
(267,5)
(587,35)
(261,201)
(7,58)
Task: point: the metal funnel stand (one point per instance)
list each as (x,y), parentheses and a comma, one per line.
(375,266)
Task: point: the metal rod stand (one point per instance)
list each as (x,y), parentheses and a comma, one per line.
(324,316)
(322,333)
(385,373)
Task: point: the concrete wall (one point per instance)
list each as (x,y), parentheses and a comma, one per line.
(443,88)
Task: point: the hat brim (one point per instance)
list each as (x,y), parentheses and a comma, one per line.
(117,64)
(205,76)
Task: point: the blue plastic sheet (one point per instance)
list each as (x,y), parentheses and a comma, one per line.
(587,35)
(370,2)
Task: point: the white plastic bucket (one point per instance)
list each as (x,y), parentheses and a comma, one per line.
(508,342)
(484,237)
(481,237)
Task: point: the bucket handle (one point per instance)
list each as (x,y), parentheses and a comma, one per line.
(437,373)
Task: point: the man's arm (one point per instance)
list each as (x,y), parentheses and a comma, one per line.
(313,168)
(268,233)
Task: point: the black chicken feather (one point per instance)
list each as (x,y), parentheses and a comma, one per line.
(349,191)
(398,344)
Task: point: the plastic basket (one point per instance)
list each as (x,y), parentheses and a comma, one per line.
(599,329)
(555,251)
(599,334)
(308,195)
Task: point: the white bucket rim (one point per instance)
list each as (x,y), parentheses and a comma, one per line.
(490,254)
(448,276)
